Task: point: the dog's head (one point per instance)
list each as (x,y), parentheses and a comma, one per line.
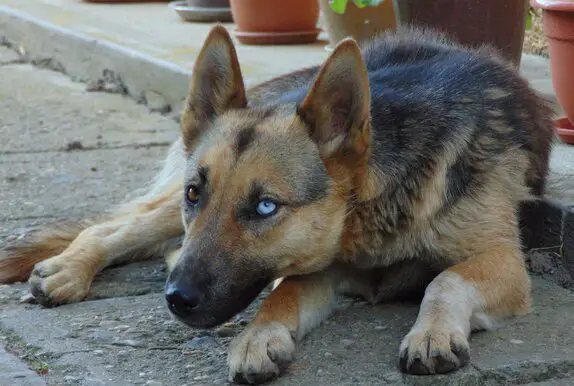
(266,189)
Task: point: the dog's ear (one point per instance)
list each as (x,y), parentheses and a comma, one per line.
(337,107)
(216,85)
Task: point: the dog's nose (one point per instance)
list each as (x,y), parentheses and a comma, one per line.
(181,302)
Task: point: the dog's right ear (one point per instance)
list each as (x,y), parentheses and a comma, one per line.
(337,106)
(216,85)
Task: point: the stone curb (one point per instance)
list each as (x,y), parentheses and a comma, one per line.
(90,61)
(548,225)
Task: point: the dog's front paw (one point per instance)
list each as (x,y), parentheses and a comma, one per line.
(57,281)
(436,350)
(260,353)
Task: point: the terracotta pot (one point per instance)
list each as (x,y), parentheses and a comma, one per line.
(558,22)
(359,23)
(275,22)
(501,23)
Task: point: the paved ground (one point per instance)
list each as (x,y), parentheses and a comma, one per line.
(66,152)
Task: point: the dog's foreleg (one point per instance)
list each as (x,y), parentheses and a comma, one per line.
(294,307)
(145,226)
(471,295)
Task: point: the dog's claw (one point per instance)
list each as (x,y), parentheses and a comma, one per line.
(40,296)
(433,352)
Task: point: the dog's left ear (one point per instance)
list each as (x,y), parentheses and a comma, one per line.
(337,107)
(216,86)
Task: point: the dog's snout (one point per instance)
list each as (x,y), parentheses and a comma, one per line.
(181,301)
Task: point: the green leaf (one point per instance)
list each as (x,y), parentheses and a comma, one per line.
(338,5)
(529,20)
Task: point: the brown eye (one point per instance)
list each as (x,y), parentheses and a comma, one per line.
(192,195)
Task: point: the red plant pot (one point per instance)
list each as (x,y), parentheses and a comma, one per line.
(558,22)
(565,130)
(275,22)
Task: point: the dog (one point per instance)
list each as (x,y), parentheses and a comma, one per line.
(393,168)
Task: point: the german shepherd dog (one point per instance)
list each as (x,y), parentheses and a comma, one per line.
(393,169)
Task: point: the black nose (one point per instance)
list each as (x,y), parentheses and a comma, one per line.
(181,302)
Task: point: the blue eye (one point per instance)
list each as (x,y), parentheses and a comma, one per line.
(266,208)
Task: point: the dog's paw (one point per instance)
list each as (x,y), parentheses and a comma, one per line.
(436,350)
(58,280)
(260,353)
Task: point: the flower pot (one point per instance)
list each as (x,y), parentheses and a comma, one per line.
(275,22)
(558,24)
(501,23)
(359,23)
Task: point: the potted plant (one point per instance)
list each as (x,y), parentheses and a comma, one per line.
(359,19)
(498,22)
(558,25)
(275,22)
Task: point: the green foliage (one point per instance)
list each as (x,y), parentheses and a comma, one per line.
(339,6)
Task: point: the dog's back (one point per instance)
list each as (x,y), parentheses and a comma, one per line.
(430,96)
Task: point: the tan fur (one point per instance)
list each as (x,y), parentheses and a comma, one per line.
(171,258)
(41,244)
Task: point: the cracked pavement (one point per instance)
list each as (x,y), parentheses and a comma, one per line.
(69,153)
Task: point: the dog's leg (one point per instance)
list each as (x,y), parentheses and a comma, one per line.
(293,309)
(67,277)
(471,295)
